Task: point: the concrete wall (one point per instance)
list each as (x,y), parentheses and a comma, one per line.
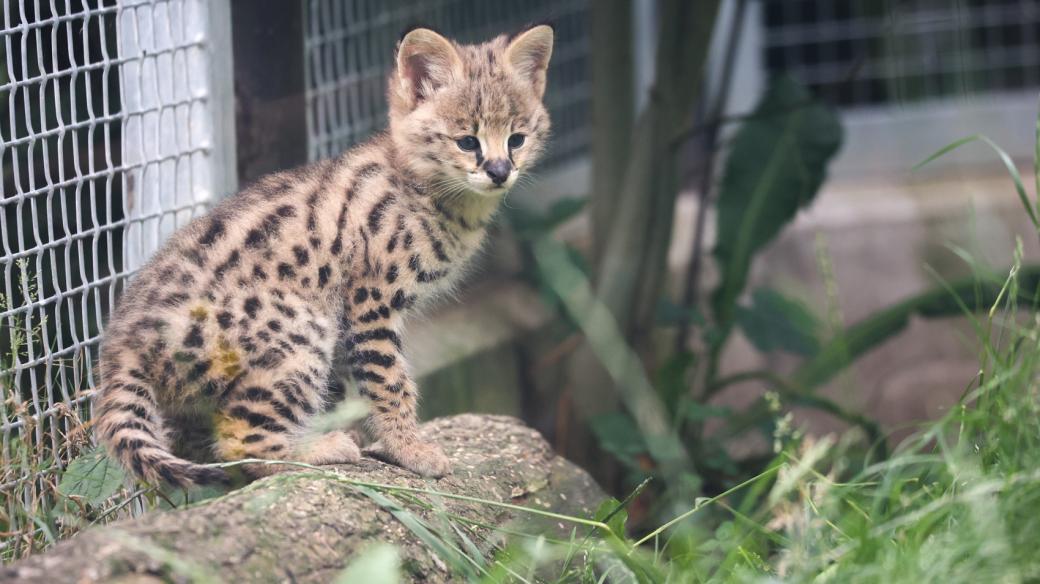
(887,240)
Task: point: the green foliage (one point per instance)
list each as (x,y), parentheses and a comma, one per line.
(613,513)
(35,509)
(956,502)
(670,313)
(607,342)
(531,226)
(778,162)
(776,165)
(619,435)
(178,498)
(92,477)
(528,224)
(441,543)
(954,299)
(1005,159)
(952,502)
(697,412)
(775,322)
(673,379)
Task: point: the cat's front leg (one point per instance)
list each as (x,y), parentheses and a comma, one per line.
(397,431)
(377,364)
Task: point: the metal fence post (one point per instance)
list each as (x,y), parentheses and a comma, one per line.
(222,98)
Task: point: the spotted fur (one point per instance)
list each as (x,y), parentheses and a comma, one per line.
(229,332)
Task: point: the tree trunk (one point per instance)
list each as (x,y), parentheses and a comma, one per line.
(306,526)
(632,270)
(613,111)
(632,267)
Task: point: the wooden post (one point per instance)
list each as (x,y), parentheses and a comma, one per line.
(631,266)
(613,110)
(270,108)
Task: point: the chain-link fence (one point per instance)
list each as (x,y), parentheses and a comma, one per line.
(106,141)
(349,48)
(112,122)
(868,53)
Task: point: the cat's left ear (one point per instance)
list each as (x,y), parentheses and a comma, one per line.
(426,61)
(528,54)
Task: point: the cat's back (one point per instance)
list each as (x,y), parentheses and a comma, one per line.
(271,240)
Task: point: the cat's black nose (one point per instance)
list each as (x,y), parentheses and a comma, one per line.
(498,170)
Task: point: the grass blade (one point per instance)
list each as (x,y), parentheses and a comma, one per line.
(457,561)
(946,150)
(1005,158)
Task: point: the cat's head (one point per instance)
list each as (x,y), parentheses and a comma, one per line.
(469,118)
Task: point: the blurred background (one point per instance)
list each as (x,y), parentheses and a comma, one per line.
(729,240)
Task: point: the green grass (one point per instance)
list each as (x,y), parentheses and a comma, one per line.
(34,514)
(956,502)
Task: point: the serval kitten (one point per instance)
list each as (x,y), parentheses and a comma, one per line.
(227,336)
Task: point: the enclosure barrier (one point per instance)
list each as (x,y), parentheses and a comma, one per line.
(107,141)
(117,126)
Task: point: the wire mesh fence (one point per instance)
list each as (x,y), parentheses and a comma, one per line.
(104,139)
(349,48)
(863,52)
(108,117)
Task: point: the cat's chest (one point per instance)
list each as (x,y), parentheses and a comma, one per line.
(415,251)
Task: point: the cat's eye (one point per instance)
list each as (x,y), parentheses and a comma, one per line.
(468,143)
(516,140)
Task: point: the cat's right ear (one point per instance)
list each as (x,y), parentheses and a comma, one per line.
(426,61)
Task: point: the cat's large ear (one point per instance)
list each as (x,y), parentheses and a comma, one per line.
(528,53)
(426,61)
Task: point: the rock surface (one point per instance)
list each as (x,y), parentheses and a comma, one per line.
(306,526)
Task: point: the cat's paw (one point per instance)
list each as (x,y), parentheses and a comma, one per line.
(335,447)
(422,458)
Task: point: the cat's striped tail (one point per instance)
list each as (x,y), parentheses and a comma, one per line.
(129,424)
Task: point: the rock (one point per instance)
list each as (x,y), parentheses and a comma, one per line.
(306,526)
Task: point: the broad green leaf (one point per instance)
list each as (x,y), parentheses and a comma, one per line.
(378,563)
(529,224)
(563,210)
(614,514)
(778,162)
(774,322)
(664,447)
(670,313)
(673,379)
(700,412)
(956,299)
(93,476)
(578,260)
(618,434)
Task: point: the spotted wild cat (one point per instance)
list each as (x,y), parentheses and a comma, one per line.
(227,336)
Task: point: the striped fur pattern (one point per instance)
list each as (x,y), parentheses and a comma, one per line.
(226,338)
